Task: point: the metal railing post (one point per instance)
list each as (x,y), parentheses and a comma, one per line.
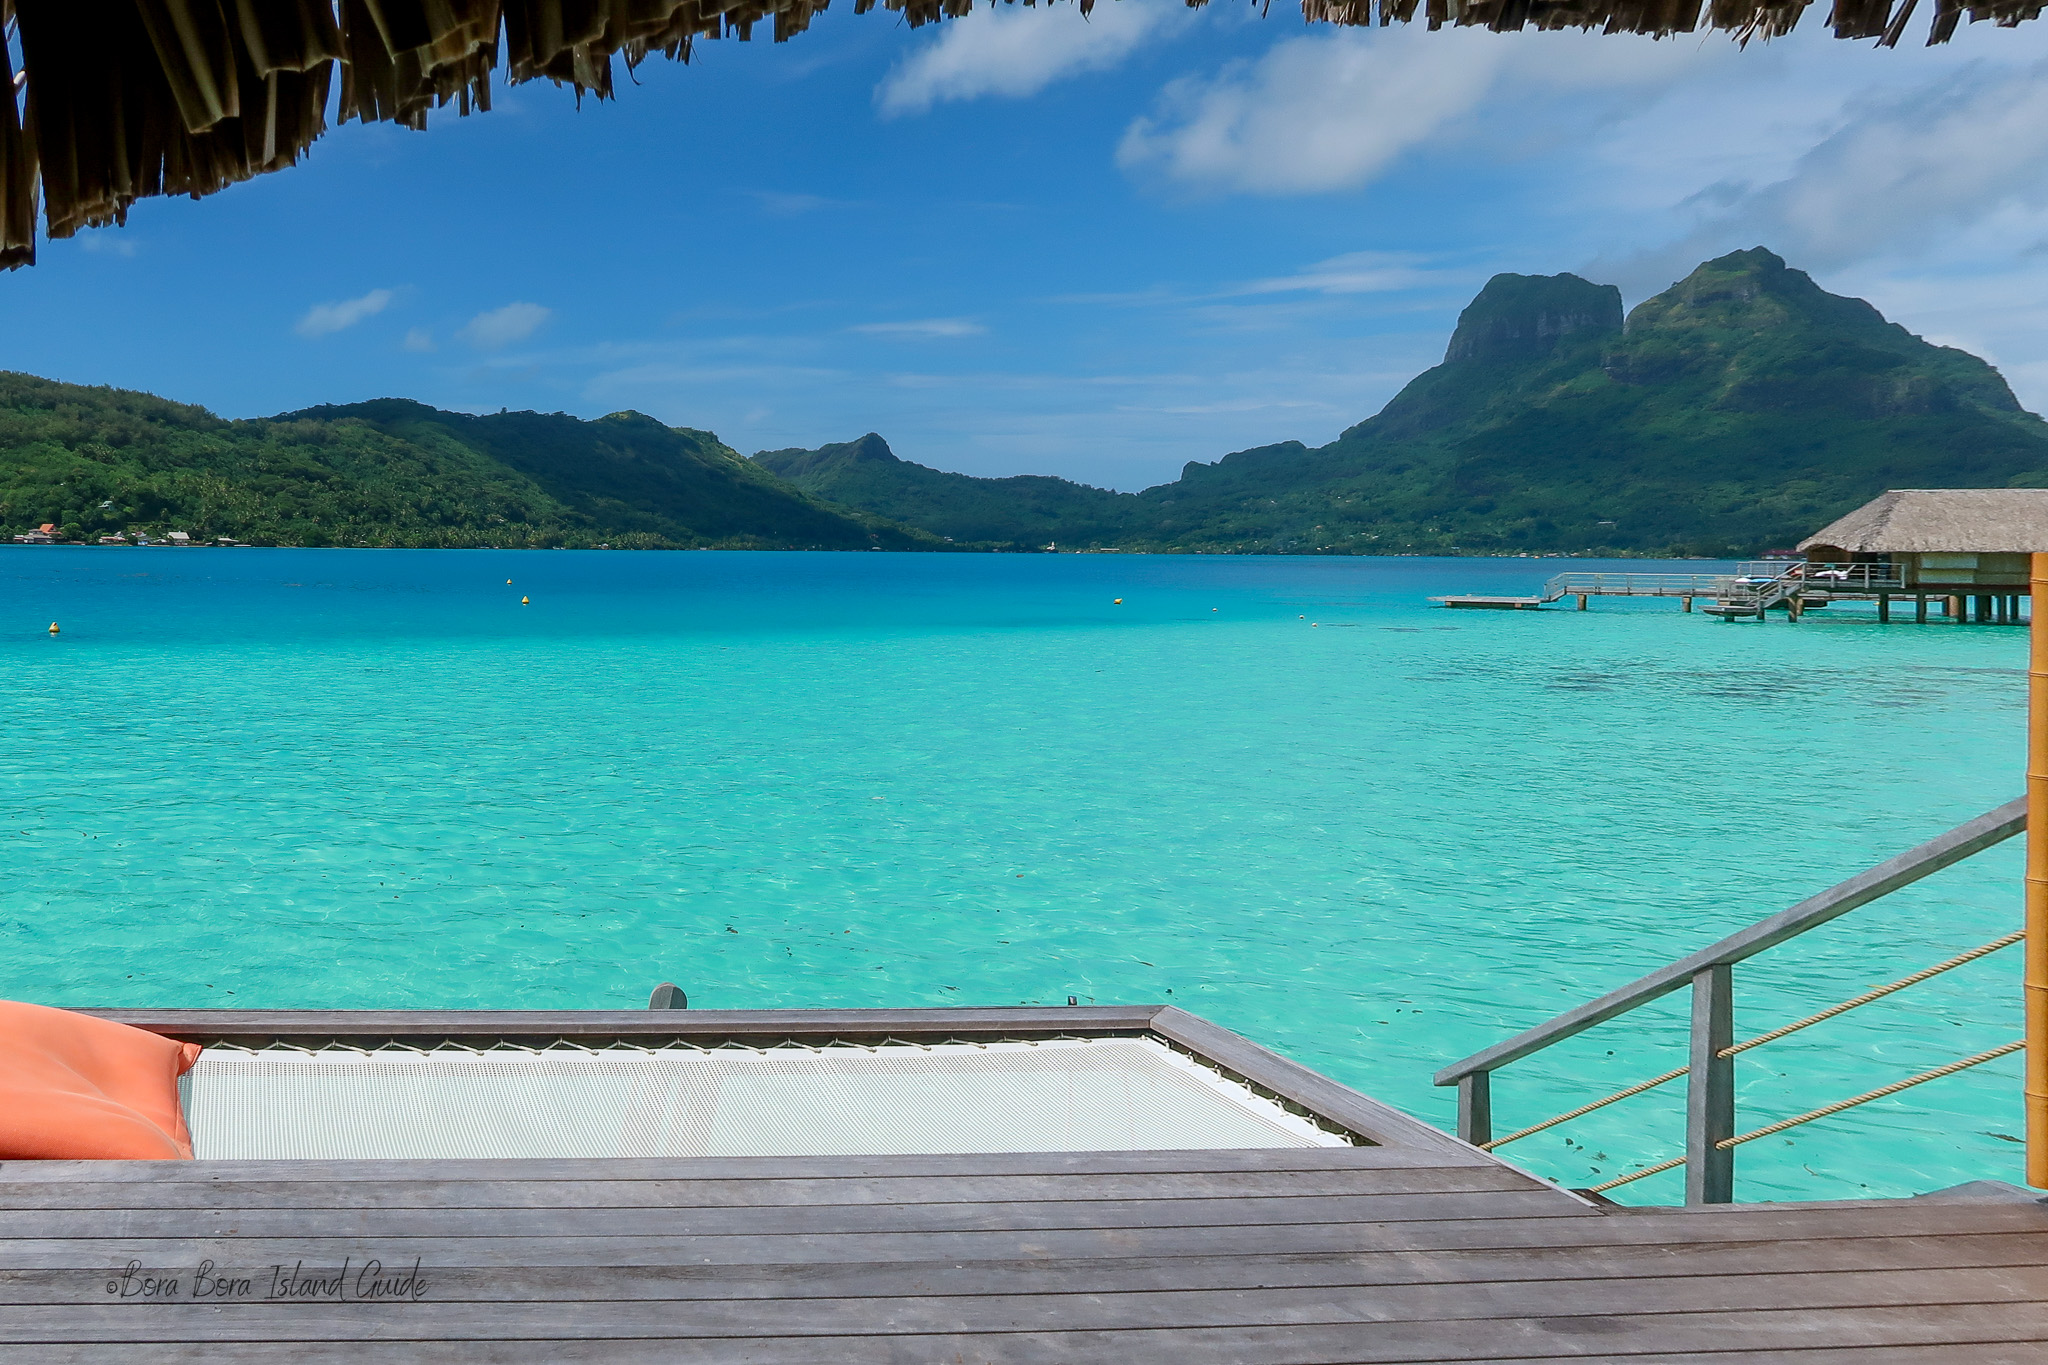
(1475,1107)
(1710,1090)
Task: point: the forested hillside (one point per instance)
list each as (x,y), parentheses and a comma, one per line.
(1028,511)
(98,460)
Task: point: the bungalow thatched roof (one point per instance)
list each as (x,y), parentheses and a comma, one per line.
(1939,520)
(117,100)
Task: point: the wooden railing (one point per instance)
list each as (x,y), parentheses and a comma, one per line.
(1711,1136)
(1596,583)
(1765,583)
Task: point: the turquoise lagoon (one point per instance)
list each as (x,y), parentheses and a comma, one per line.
(1284,793)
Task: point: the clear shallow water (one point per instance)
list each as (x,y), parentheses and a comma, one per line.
(314,778)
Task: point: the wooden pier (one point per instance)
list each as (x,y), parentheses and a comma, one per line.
(1793,587)
(1411,1246)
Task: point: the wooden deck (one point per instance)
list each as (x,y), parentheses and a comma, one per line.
(1485,603)
(1417,1248)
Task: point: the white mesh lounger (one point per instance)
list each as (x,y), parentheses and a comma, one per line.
(1109,1094)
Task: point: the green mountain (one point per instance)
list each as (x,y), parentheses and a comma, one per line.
(391,472)
(1024,512)
(1738,410)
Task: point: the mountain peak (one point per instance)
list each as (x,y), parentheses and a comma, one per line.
(799,465)
(871,447)
(631,417)
(1518,316)
(1753,290)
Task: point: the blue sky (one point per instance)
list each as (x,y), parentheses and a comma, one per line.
(1029,242)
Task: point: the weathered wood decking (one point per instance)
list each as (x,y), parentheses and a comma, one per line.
(1416,1249)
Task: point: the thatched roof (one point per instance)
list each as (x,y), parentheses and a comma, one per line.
(1937,520)
(117,100)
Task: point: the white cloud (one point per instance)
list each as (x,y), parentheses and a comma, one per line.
(777,204)
(324,319)
(105,243)
(923,327)
(1313,114)
(1899,173)
(1356,272)
(503,326)
(1334,110)
(417,339)
(1014,52)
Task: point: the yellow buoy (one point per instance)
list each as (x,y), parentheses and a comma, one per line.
(508,582)
(1119,602)
(524,603)
(53,627)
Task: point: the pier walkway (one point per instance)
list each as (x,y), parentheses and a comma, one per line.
(1755,589)
(1583,585)
(1412,1247)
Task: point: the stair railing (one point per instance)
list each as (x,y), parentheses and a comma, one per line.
(1758,593)
(1710,1131)
(1758,586)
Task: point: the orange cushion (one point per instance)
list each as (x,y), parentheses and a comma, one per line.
(73,1087)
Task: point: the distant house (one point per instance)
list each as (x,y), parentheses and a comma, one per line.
(1958,542)
(178,537)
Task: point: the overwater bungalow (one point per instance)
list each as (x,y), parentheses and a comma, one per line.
(1966,547)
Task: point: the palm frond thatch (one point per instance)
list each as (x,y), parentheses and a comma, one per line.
(116,100)
(1939,520)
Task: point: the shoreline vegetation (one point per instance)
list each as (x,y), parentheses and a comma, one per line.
(1728,416)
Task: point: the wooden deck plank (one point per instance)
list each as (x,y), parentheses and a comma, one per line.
(697,1194)
(768,1025)
(1308,1328)
(941,1351)
(969,1213)
(160,1245)
(1643,1308)
(749,1167)
(537,1281)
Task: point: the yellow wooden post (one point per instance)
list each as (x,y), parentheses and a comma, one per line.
(2037,885)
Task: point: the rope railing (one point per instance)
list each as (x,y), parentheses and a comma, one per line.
(1879,993)
(1867,1096)
(1584,1109)
(1643,1174)
(1829,1013)
(1823,1112)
